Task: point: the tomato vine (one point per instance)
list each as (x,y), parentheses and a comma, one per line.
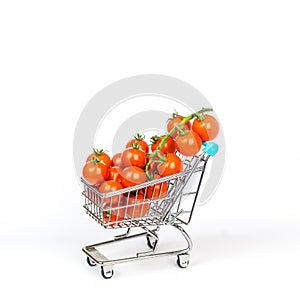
(199,114)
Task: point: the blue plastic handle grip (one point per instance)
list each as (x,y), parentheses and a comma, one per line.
(210,148)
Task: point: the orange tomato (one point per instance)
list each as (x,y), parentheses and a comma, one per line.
(188,144)
(114,173)
(94,172)
(207,129)
(159,190)
(171,165)
(137,206)
(101,156)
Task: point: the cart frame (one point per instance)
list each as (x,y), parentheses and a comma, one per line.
(149,215)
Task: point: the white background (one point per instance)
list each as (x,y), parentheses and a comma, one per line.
(242,55)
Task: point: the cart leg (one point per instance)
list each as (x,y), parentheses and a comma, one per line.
(152,241)
(123,235)
(152,237)
(183,257)
(187,238)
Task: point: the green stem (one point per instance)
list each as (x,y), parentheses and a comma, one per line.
(166,137)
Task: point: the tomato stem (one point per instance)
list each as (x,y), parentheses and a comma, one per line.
(95,160)
(165,138)
(135,145)
(139,137)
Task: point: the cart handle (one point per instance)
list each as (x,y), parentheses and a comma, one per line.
(210,148)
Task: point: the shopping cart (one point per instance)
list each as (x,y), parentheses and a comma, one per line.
(134,207)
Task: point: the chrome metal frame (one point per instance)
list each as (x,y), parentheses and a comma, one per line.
(167,209)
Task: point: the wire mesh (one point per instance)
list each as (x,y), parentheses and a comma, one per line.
(157,202)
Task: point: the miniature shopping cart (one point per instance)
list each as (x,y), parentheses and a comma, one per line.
(124,209)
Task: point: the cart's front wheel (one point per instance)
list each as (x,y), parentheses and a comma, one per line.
(183,260)
(90,262)
(107,272)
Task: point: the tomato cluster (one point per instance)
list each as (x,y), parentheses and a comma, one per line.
(139,163)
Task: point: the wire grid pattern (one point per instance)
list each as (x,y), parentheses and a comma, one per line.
(147,204)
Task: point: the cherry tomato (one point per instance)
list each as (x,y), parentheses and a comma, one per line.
(132,175)
(114,173)
(188,144)
(94,172)
(153,167)
(159,190)
(207,129)
(171,165)
(116,160)
(101,156)
(174,121)
(139,139)
(168,147)
(113,215)
(92,195)
(137,206)
(133,157)
(111,186)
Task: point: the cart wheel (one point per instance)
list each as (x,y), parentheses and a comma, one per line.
(91,262)
(183,260)
(151,242)
(107,272)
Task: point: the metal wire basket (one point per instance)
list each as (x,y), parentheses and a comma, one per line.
(146,205)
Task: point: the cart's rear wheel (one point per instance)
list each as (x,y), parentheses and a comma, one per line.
(107,272)
(151,242)
(183,260)
(91,262)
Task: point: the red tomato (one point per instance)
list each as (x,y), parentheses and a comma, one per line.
(137,206)
(101,156)
(207,129)
(113,215)
(139,140)
(153,167)
(114,173)
(116,160)
(189,144)
(168,147)
(159,190)
(132,175)
(171,165)
(94,172)
(92,195)
(111,186)
(174,121)
(133,157)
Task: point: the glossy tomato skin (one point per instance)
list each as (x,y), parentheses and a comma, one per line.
(111,186)
(138,206)
(133,157)
(114,173)
(116,160)
(159,190)
(168,147)
(141,143)
(171,165)
(207,129)
(101,156)
(94,173)
(132,175)
(173,122)
(188,144)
